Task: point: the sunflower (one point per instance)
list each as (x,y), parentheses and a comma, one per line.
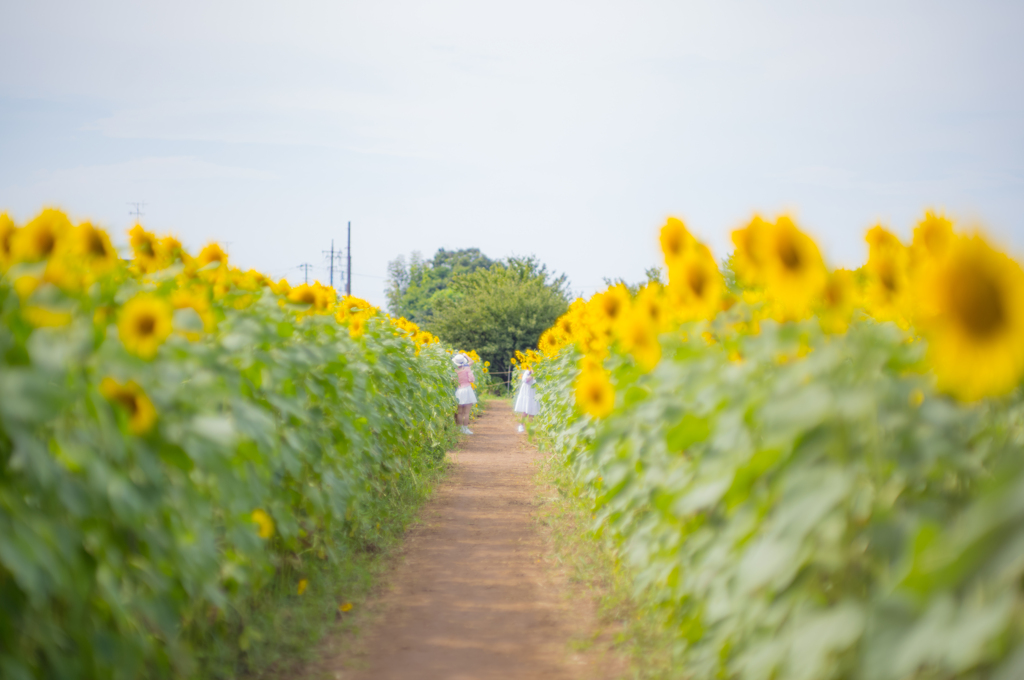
(696,284)
(171,250)
(144,249)
(303,295)
(357,325)
(611,304)
(145,323)
(972,313)
(264,524)
(7,231)
(650,302)
(38,239)
(639,336)
(196,301)
(887,291)
(675,240)
(595,394)
(794,271)
(838,300)
(131,397)
(881,240)
(93,248)
(43,317)
(212,253)
(932,238)
(750,257)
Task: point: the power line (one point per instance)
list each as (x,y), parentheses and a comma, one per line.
(305,267)
(138,210)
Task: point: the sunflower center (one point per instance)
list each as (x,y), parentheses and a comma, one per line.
(790,255)
(95,245)
(129,401)
(146,324)
(697,279)
(888,279)
(45,242)
(978,304)
(833,295)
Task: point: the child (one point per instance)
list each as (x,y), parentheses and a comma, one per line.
(526,401)
(464,394)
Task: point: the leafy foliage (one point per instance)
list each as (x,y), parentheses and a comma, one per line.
(502,309)
(788,480)
(812,519)
(414,290)
(159,467)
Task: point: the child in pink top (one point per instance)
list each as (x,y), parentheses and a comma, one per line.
(464,395)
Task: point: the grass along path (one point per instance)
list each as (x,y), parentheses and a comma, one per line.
(473,593)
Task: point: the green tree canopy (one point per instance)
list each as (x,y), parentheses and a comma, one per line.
(501,309)
(414,288)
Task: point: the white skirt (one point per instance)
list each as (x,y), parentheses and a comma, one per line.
(526,401)
(465,395)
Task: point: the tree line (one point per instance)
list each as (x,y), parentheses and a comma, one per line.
(469,300)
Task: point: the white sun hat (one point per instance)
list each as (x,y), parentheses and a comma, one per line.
(461,360)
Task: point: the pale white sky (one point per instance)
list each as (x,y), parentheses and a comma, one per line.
(569,130)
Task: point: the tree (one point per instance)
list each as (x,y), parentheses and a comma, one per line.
(414,290)
(501,309)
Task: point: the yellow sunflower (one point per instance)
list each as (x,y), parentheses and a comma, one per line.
(171,250)
(750,257)
(932,238)
(38,239)
(357,325)
(651,302)
(794,271)
(7,231)
(303,295)
(675,240)
(696,284)
(882,240)
(639,336)
(145,323)
(838,300)
(972,314)
(144,249)
(611,304)
(212,253)
(131,397)
(264,523)
(197,301)
(887,294)
(92,249)
(44,317)
(595,394)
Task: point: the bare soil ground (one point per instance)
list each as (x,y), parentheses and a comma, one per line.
(475,592)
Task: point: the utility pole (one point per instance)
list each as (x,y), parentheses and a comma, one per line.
(348,267)
(305,267)
(330,256)
(138,211)
(335,256)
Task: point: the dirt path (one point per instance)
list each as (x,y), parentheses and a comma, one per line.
(470,596)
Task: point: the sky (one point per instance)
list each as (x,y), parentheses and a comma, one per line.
(566,130)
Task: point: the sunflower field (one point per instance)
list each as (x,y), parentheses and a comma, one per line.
(808,473)
(175,434)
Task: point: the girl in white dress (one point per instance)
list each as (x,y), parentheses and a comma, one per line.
(526,400)
(464,394)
